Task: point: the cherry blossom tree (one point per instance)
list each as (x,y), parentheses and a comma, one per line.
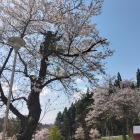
(126,109)
(99,113)
(61,46)
(94,134)
(42,134)
(79,133)
(121,105)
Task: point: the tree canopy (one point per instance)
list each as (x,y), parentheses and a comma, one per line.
(61,46)
(116,111)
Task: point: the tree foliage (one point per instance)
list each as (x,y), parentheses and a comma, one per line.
(61,46)
(79,134)
(55,133)
(112,109)
(118,80)
(117,110)
(43,134)
(138,78)
(74,117)
(94,134)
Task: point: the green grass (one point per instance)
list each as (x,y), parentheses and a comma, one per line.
(111,139)
(115,139)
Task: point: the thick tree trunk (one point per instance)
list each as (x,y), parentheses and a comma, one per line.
(33,103)
(28,128)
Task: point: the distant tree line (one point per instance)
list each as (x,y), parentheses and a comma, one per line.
(73,117)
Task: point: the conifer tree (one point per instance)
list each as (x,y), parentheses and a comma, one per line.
(59,120)
(72,122)
(138,78)
(118,81)
(72,118)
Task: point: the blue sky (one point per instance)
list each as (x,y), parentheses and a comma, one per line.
(120,24)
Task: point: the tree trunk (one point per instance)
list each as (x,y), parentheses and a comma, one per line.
(28,128)
(33,103)
(124,131)
(124,136)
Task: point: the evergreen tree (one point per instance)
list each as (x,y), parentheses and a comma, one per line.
(65,124)
(138,78)
(118,81)
(72,118)
(111,87)
(72,122)
(133,86)
(59,119)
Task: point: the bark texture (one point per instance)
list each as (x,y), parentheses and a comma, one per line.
(30,125)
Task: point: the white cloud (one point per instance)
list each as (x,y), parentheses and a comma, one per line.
(78,95)
(78,80)
(46,91)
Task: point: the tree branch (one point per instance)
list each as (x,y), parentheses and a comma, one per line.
(12,108)
(25,65)
(54,79)
(86,51)
(20,99)
(11,49)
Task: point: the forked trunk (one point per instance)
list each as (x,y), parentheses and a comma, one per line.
(33,104)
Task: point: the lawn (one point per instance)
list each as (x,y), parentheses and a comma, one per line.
(115,139)
(111,139)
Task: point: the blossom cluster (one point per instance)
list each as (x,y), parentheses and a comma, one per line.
(122,103)
(79,134)
(42,134)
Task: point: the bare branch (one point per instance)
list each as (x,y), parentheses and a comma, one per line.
(12,108)
(25,65)
(54,79)
(20,98)
(11,49)
(86,51)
